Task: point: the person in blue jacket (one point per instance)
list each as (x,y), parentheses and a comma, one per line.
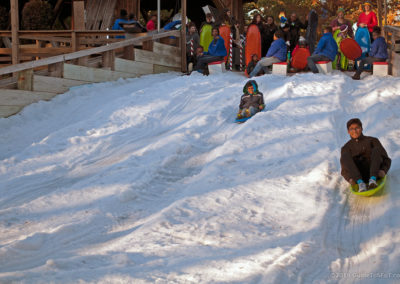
(122,19)
(216,52)
(276,53)
(378,52)
(326,50)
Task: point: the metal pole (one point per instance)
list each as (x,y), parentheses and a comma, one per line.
(183,36)
(158,15)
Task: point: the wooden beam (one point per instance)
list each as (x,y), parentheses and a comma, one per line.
(78,7)
(14,31)
(135,67)
(183,37)
(82,73)
(22,98)
(82,53)
(53,84)
(154,58)
(164,69)
(25,80)
(108,59)
(165,49)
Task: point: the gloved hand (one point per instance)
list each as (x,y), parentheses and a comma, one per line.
(261,107)
(381,174)
(288,43)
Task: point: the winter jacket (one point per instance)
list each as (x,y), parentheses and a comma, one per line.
(117,26)
(379,48)
(360,150)
(269,35)
(196,42)
(295,27)
(255,100)
(278,49)
(370,20)
(312,24)
(217,47)
(327,46)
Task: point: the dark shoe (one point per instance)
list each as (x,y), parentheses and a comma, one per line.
(356,76)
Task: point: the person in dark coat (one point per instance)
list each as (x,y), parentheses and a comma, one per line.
(269,29)
(312,25)
(378,52)
(216,52)
(192,43)
(326,50)
(363,158)
(252,101)
(252,63)
(295,26)
(260,23)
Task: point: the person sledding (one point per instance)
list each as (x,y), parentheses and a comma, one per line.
(216,52)
(251,102)
(378,53)
(363,158)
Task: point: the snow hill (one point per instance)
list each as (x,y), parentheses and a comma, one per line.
(148,180)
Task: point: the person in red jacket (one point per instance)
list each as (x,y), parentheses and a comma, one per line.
(152,23)
(367,19)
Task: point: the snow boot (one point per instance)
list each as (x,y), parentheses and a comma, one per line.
(372,183)
(362,187)
(356,76)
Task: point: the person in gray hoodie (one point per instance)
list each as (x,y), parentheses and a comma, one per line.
(252,101)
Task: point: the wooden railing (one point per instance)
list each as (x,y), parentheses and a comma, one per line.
(50,43)
(107,51)
(392,34)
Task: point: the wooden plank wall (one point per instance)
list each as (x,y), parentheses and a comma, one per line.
(34,87)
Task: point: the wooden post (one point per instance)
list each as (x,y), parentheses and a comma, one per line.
(183,37)
(385,12)
(56,69)
(129,53)
(148,45)
(108,58)
(25,80)
(379,4)
(14,31)
(78,14)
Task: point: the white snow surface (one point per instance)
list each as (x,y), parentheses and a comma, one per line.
(149,180)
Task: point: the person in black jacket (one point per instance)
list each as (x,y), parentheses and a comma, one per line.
(363,158)
(252,101)
(269,29)
(295,26)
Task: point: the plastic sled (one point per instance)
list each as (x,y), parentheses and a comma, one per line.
(381,184)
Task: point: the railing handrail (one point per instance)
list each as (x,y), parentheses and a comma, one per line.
(84,53)
(392,29)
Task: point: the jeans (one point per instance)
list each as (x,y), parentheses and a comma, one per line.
(251,110)
(263,64)
(367,60)
(313,59)
(203,60)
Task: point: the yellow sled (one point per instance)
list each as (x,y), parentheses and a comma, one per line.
(381,184)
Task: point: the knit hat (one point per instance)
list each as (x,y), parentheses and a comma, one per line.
(302,40)
(343,28)
(368,3)
(341,9)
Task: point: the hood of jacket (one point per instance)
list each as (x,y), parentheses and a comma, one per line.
(255,86)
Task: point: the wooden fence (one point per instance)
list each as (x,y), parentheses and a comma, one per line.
(45,78)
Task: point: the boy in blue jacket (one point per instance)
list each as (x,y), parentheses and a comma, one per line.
(216,52)
(276,53)
(378,52)
(326,50)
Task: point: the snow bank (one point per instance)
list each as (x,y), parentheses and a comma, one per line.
(149,180)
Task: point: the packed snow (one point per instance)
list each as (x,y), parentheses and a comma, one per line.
(149,180)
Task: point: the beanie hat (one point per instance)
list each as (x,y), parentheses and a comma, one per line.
(341,9)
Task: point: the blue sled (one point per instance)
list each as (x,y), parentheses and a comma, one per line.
(242,120)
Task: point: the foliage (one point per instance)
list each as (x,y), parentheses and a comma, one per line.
(37,15)
(3,18)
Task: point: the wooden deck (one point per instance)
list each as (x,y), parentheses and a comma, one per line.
(45,78)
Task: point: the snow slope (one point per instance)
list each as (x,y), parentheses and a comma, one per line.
(149,180)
